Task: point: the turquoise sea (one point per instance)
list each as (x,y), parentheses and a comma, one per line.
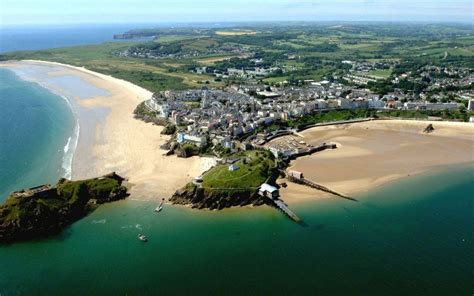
(414,237)
(36,130)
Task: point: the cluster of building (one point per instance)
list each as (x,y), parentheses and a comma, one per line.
(145,52)
(258,71)
(361,73)
(219,117)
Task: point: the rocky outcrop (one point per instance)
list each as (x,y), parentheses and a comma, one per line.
(429,129)
(186,151)
(44,210)
(200,198)
(169,129)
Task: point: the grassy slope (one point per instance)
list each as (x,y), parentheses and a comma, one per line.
(150,74)
(250,175)
(68,195)
(380,74)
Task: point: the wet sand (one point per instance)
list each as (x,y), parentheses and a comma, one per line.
(374,153)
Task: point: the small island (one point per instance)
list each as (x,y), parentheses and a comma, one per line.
(44,210)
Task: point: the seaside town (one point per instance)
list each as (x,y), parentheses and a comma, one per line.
(243,116)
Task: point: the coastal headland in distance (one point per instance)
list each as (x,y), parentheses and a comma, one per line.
(111,139)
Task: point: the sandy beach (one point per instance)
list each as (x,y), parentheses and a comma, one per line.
(110,139)
(369,154)
(374,153)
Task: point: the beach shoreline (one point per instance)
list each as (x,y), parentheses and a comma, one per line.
(378,153)
(111,139)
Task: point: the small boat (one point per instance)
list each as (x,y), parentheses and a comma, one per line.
(142,237)
(160,206)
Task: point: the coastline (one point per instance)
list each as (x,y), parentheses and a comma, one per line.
(110,138)
(378,153)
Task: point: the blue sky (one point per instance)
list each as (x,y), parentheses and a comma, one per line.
(156,11)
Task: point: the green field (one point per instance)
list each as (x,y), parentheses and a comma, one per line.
(380,74)
(173,38)
(317,51)
(150,74)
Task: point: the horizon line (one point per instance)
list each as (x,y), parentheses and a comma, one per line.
(244,22)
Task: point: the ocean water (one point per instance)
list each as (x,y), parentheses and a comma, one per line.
(42,37)
(414,237)
(28,37)
(37,131)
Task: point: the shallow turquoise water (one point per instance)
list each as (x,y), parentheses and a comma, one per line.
(414,237)
(35,126)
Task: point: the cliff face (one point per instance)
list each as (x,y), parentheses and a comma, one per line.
(46,210)
(216,200)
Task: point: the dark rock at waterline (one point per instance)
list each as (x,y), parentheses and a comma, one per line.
(45,210)
(200,198)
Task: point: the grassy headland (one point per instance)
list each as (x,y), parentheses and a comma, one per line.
(222,187)
(40,212)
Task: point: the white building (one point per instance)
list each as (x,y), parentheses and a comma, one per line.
(233,167)
(430,106)
(470,105)
(195,140)
(267,190)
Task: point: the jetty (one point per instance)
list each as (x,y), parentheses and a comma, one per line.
(272,193)
(325,189)
(297,177)
(285,209)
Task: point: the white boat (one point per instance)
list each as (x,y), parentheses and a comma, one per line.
(142,237)
(160,206)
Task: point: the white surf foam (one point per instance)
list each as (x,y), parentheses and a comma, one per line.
(69,150)
(71,145)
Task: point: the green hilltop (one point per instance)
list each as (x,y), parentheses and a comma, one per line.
(45,210)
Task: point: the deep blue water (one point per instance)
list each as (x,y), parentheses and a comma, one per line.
(43,37)
(13,38)
(35,126)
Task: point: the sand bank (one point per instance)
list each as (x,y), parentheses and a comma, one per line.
(110,139)
(373,153)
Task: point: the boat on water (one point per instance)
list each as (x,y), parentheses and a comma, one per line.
(160,206)
(142,237)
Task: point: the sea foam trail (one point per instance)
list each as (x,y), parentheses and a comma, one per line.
(69,150)
(71,145)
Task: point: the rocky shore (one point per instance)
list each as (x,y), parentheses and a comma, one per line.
(200,198)
(45,210)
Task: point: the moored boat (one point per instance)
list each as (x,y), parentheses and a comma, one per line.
(160,206)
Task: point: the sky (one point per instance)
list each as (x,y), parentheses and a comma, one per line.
(20,12)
